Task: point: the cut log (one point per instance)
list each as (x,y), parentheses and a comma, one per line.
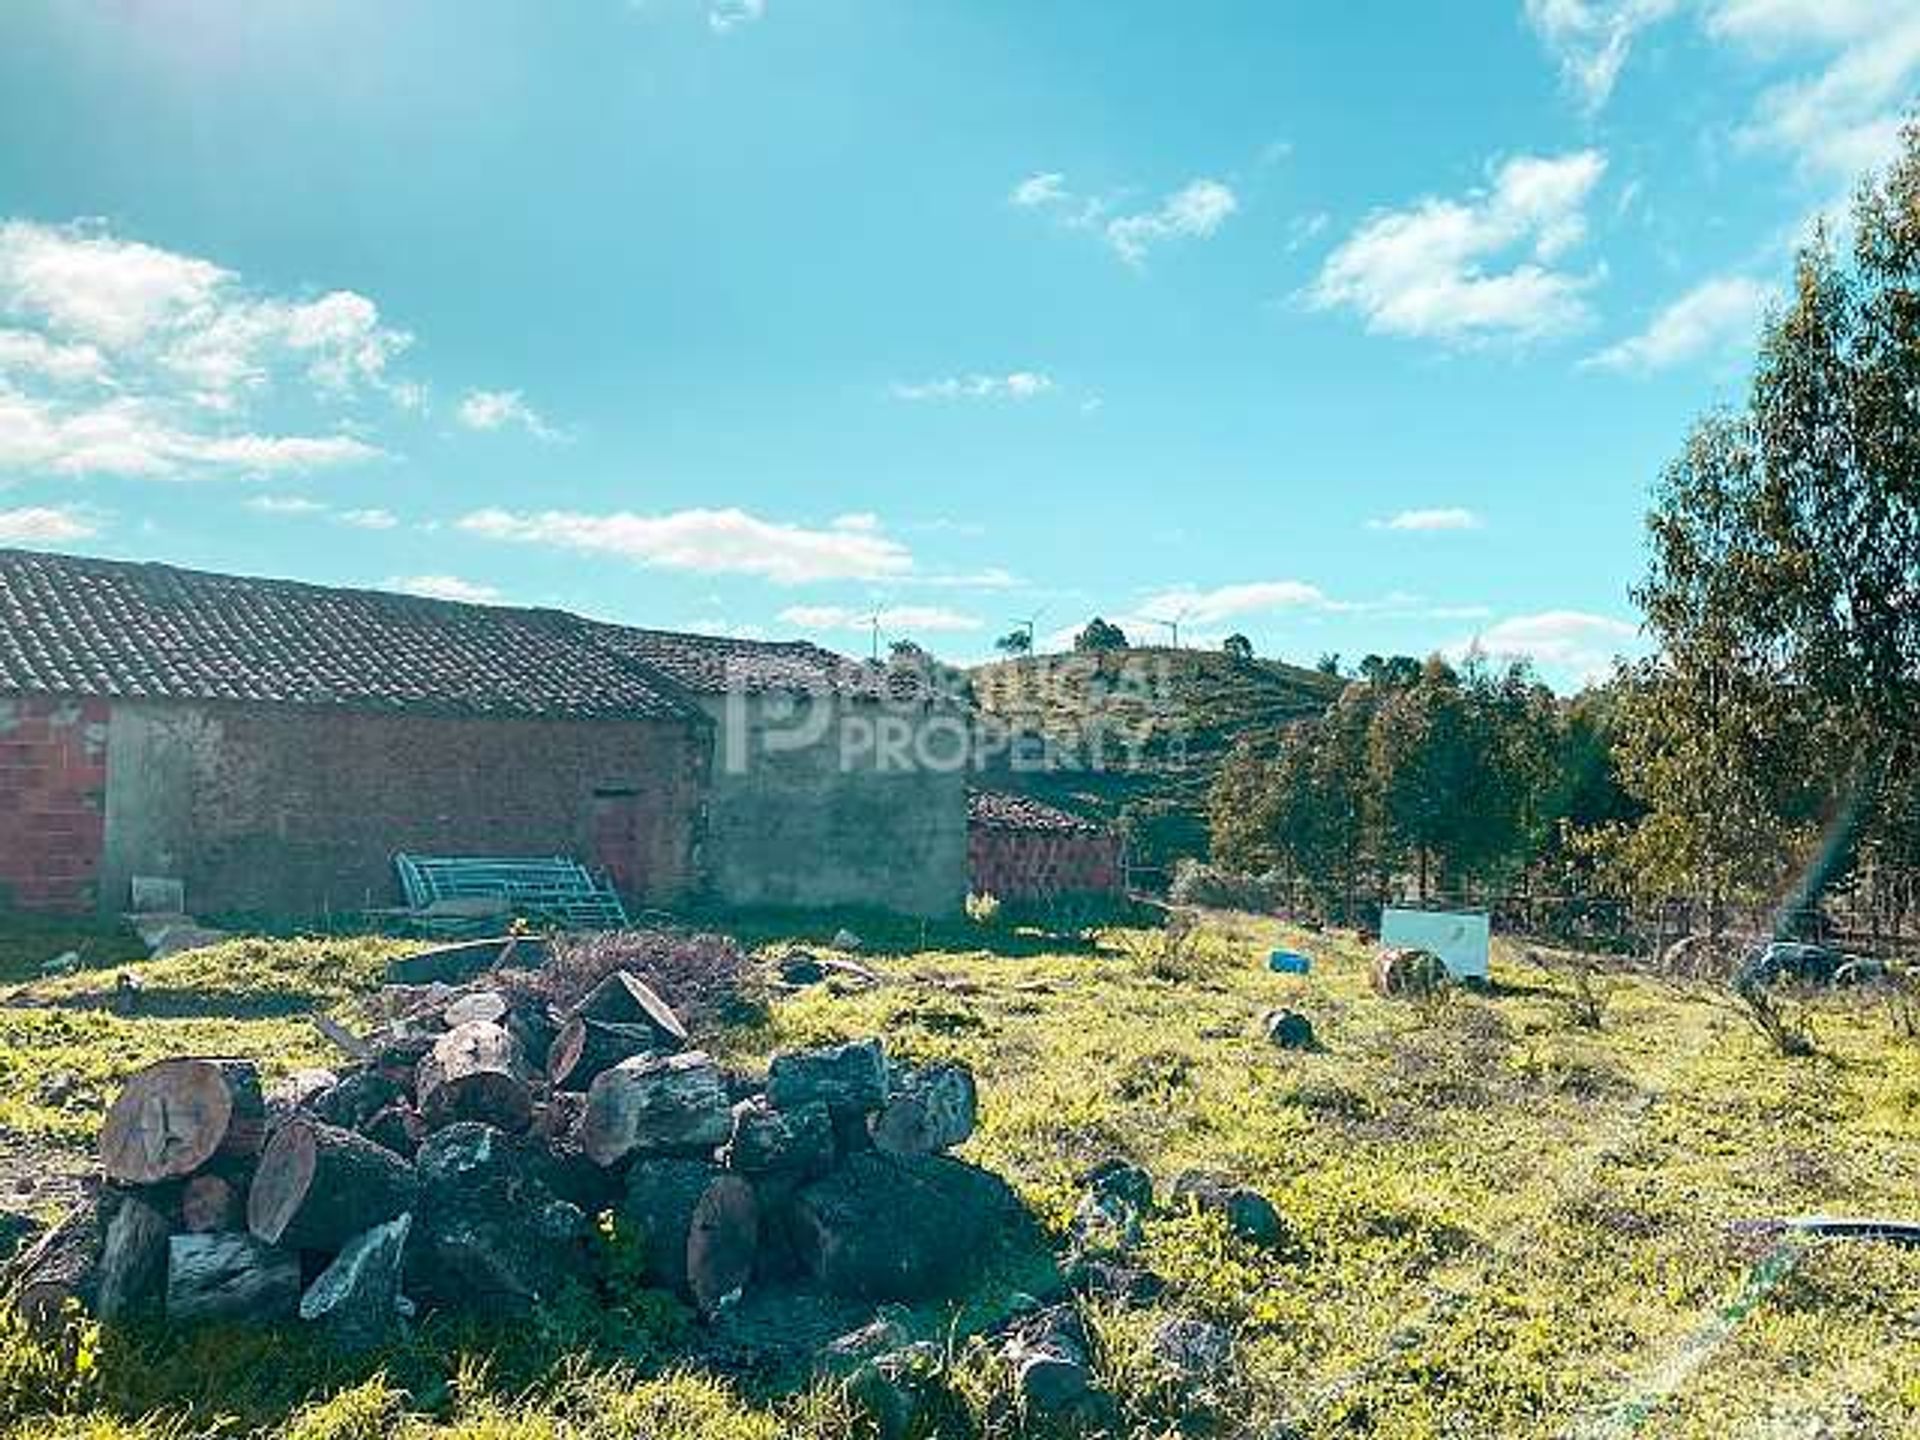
(59,1270)
(209,1202)
(489,1006)
(699,1227)
(898,1227)
(656,1105)
(766,1140)
(848,1079)
(584,1048)
(319,1185)
(172,1117)
(133,1259)
(229,1276)
(356,1098)
(626,999)
(298,1091)
(490,1232)
(356,1300)
(534,1024)
(475,1072)
(929,1109)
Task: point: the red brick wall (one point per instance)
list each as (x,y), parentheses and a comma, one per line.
(1042,864)
(293,811)
(53,778)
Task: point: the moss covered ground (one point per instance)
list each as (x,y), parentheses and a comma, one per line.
(1499,1223)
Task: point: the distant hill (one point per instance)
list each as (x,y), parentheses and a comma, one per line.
(1137,735)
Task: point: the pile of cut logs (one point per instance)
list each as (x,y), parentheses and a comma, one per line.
(458,1162)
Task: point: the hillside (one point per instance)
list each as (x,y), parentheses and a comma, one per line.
(1137,735)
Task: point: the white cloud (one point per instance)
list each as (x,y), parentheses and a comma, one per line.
(724,16)
(894,620)
(28,353)
(118,357)
(373,519)
(856,520)
(712,542)
(1571,643)
(1195,211)
(1845,117)
(44,525)
(1016,385)
(1451,517)
(496,409)
(285,505)
(1590,39)
(1475,269)
(135,437)
(445,587)
(1715,318)
(1227,602)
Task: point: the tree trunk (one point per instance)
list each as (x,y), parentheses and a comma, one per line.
(585,1047)
(932,1108)
(487,1006)
(171,1118)
(475,1072)
(318,1186)
(625,999)
(699,1224)
(356,1300)
(230,1276)
(655,1105)
(133,1259)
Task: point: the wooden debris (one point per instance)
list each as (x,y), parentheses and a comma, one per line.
(699,1224)
(356,1300)
(172,1117)
(625,999)
(656,1105)
(209,1202)
(585,1047)
(475,1072)
(319,1185)
(133,1259)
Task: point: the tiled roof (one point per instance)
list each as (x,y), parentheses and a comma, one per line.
(714,664)
(998,810)
(77,626)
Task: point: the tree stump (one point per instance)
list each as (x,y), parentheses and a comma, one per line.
(133,1259)
(475,1072)
(655,1105)
(897,1227)
(356,1300)
(319,1185)
(585,1047)
(700,1227)
(230,1276)
(625,999)
(172,1117)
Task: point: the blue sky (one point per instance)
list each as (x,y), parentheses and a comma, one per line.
(1359,327)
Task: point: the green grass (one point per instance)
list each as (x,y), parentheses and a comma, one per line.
(1499,1224)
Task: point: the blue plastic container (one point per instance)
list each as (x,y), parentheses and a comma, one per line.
(1287,962)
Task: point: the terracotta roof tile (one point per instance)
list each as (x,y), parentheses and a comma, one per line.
(998,810)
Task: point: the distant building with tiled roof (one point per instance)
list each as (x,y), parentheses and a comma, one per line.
(1022,849)
(272,743)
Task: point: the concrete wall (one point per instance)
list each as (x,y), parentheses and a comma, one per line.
(1044,864)
(53,780)
(294,811)
(826,801)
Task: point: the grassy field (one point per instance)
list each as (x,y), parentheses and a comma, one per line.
(1500,1223)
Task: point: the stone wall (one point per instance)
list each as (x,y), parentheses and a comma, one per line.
(296,811)
(821,801)
(53,778)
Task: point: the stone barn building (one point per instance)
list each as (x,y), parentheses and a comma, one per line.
(272,744)
(1021,850)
